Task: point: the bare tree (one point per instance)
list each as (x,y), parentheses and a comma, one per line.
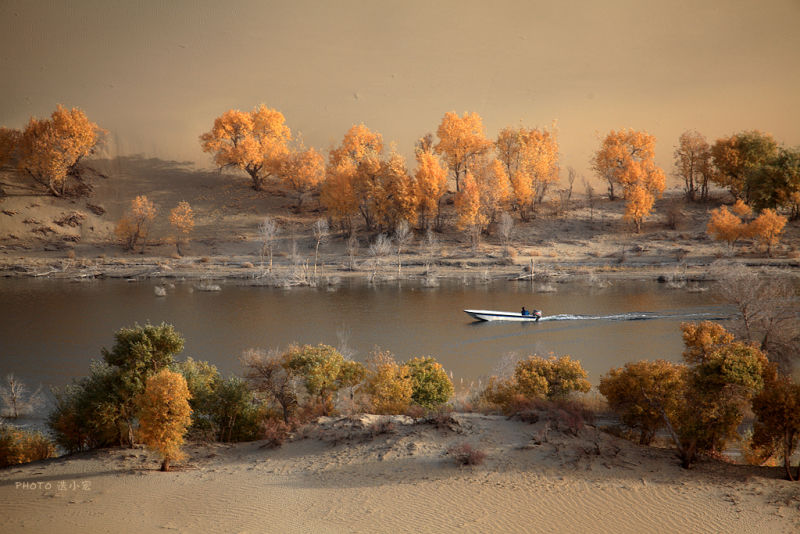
(321,234)
(17,400)
(506,228)
(267,233)
(379,249)
(769,314)
(352,250)
(432,249)
(591,197)
(571,174)
(402,238)
(266,372)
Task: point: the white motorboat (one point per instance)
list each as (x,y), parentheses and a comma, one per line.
(492,315)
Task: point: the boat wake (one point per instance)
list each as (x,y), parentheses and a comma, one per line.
(632,316)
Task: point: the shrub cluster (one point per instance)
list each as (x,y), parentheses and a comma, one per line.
(19,446)
(534,379)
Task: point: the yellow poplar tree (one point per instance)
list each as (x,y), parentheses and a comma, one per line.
(529,154)
(49,150)
(255,142)
(725,226)
(468,206)
(461,140)
(135,224)
(494,189)
(182,220)
(431,183)
(351,175)
(302,171)
(165,415)
(767,228)
(627,158)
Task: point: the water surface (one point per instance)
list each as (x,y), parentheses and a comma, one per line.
(50,330)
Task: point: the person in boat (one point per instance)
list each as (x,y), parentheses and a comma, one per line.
(525,312)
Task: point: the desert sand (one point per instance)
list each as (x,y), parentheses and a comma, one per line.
(388,474)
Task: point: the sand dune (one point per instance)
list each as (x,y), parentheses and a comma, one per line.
(348,475)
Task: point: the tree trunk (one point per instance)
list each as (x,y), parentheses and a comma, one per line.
(165,464)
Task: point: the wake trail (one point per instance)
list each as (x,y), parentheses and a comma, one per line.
(633,316)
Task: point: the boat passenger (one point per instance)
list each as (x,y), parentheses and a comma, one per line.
(525,312)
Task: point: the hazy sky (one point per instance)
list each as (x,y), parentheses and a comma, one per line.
(156,74)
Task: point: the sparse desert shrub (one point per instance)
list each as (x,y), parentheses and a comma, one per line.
(19,446)
(165,415)
(466,454)
(431,387)
(275,432)
(387,385)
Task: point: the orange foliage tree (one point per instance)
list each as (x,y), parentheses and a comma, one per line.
(351,175)
(725,226)
(302,171)
(49,150)
(431,183)
(693,164)
(530,157)
(396,198)
(468,206)
(627,158)
(767,228)
(494,189)
(461,140)
(255,142)
(182,220)
(135,224)
(165,415)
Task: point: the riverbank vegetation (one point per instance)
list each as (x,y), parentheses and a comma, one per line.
(502,201)
(139,392)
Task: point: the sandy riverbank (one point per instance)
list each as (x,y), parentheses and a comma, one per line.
(356,475)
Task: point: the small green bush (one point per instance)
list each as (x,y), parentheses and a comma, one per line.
(430,385)
(19,446)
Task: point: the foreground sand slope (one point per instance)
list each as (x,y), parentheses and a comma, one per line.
(365,475)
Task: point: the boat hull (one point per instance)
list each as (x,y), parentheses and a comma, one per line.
(493,315)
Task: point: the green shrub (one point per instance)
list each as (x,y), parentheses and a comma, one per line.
(19,446)
(236,414)
(100,410)
(430,385)
(323,371)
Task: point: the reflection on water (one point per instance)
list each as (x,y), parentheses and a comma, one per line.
(50,330)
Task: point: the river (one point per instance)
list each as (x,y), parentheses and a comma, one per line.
(50,330)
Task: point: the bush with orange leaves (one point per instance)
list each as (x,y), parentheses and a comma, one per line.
(730,226)
(165,415)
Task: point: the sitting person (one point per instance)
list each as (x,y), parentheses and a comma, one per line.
(525,312)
